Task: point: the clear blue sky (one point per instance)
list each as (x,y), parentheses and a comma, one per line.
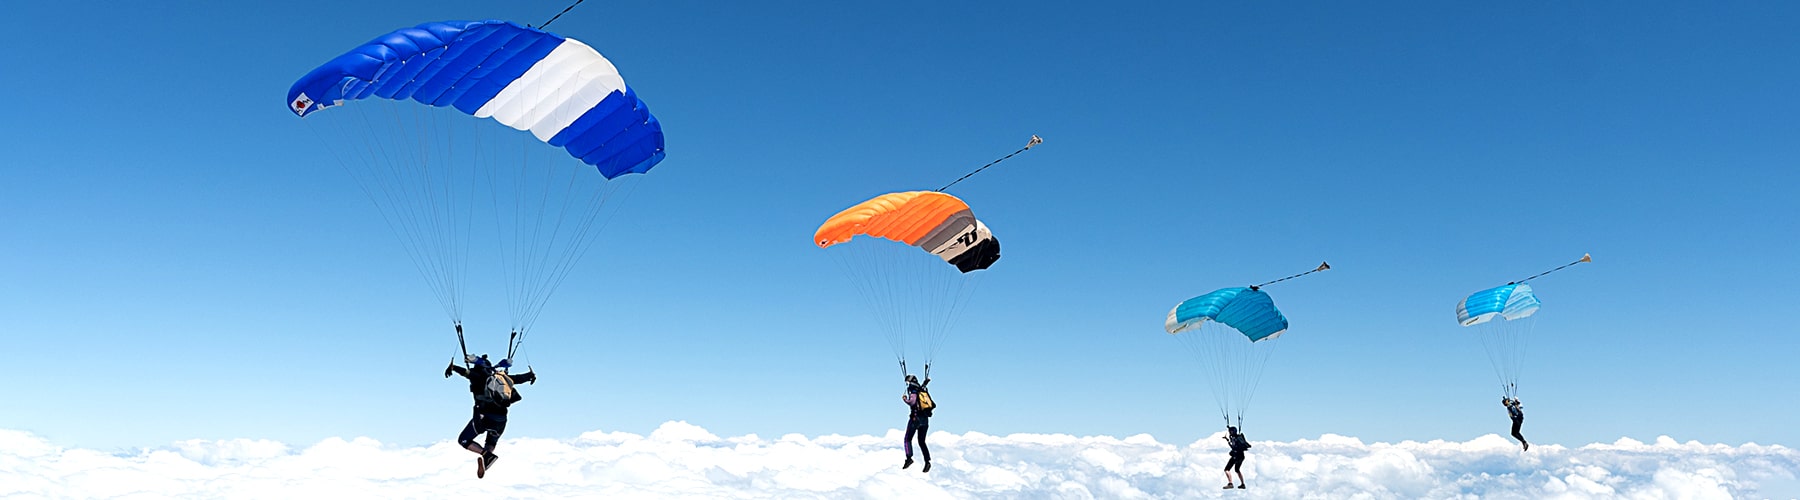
(179,259)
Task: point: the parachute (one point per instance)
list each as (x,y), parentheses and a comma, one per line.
(420,143)
(559,89)
(914,295)
(1231,333)
(1508,302)
(1503,318)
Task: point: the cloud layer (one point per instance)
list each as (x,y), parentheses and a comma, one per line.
(680,460)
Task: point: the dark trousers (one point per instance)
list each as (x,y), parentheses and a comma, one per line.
(491,423)
(919,426)
(1236,463)
(1518,421)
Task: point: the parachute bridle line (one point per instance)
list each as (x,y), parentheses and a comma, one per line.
(1584,258)
(558,15)
(1322,266)
(1035,140)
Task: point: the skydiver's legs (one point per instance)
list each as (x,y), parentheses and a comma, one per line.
(912,426)
(480,423)
(924,428)
(1235,463)
(467,438)
(1515,432)
(496,425)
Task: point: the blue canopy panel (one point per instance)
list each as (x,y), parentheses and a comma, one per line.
(1249,311)
(558,88)
(1509,302)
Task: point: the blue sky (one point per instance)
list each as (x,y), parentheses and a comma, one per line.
(181,259)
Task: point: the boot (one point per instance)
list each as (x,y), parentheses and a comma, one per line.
(927,467)
(907,464)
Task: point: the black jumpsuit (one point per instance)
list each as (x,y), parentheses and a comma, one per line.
(489,416)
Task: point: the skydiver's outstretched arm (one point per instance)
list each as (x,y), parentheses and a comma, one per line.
(525,378)
(457,369)
(927,382)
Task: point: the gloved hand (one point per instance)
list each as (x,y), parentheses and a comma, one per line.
(927,381)
(449,369)
(533,372)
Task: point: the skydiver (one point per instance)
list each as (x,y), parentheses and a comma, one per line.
(490,411)
(1517,412)
(1238,445)
(918,419)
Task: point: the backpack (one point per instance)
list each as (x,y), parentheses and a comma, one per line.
(1238,443)
(925,403)
(499,390)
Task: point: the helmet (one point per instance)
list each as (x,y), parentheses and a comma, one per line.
(480,361)
(912,380)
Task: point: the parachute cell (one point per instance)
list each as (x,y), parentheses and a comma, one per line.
(1508,302)
(1249,311)
(936,222)
(559,89)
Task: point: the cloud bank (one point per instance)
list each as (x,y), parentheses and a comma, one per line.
(680,460)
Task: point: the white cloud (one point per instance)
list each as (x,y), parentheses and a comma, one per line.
(680,460)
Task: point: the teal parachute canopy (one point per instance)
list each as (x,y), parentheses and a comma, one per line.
(1248,310)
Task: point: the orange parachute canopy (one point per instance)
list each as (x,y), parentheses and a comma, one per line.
(931,220)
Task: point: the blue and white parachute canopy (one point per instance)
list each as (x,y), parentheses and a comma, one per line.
(1248,310)
(1509,302)
(558,88)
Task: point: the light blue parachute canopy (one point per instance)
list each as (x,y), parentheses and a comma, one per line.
(559,89)
(1509,302)
(1249,311)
